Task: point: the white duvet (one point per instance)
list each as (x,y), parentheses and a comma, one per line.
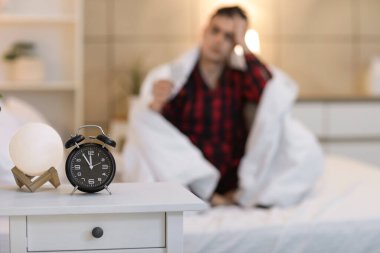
(282,161)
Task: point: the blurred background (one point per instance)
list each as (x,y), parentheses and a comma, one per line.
(82,62)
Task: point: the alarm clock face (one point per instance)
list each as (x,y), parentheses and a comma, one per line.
(90,167)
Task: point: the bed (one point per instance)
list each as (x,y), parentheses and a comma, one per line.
(342,215)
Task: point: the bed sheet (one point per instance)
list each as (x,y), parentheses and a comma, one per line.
(341,215)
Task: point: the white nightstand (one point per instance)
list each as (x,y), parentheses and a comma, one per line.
(136,218)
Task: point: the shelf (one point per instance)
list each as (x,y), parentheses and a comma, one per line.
(56,28)
(34,19)
(44,86)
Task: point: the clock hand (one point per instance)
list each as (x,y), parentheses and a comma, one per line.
(89,164)
(96,164)
(90,159)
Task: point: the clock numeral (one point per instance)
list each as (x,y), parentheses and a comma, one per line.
(91,181)
(91,152)
(77,167)
(83,179)
(104,174)
(103,159)
(104,167)
(78,160)
(79,174)
(99,179)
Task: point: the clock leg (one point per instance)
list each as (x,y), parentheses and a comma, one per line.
(74,190)
(108,189)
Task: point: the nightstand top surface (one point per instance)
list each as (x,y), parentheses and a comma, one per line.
(125,198)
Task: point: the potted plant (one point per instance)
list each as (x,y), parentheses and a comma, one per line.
(23,62)
(127,87)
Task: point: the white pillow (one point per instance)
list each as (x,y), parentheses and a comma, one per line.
(8,127)
(23,111)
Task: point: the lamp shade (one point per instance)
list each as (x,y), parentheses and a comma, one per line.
(35,148)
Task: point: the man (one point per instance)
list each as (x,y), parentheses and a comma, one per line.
(209,107)
(187,125)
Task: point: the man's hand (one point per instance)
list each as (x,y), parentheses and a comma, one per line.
(241,26)
(162,90)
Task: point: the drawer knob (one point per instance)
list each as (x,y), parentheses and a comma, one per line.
(97,232)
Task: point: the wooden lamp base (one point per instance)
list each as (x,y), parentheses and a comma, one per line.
(22,179)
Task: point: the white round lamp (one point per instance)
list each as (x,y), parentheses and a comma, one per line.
(36,150)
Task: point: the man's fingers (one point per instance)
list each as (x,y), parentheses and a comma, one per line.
(163,83)
(161,92)
(162,89)
(241,26)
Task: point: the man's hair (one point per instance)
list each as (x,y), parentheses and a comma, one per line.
(230,12)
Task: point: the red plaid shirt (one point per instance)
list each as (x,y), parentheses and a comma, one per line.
(213,119)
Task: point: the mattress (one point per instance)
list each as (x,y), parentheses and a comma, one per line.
(341,215)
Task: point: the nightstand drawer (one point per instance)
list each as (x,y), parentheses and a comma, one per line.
(74,232)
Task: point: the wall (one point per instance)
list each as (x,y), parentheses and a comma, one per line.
(326,45)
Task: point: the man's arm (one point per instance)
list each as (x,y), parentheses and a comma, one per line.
(257,73)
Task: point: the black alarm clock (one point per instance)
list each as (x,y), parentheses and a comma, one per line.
(90,166)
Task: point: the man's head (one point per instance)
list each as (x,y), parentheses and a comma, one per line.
(219,36)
